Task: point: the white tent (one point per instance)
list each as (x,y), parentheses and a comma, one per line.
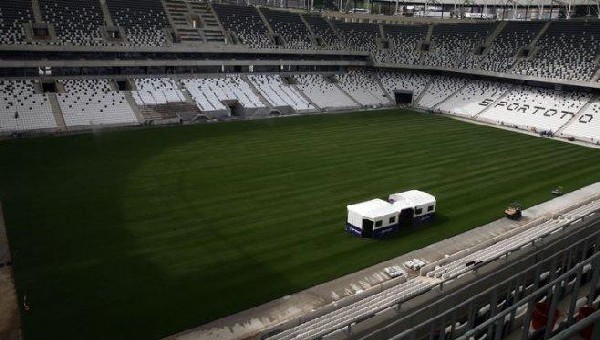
(422,203)
(372,218)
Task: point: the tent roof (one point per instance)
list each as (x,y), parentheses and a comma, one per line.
(373,208)
(411,198)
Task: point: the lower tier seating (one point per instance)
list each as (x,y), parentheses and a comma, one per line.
(277,93)
(408,81)
(363,87)
(474,98)
(210,94)
(536,109)
(92,103)
(587,125)
(440,88)
(323,92)
(156,91)
(21,109)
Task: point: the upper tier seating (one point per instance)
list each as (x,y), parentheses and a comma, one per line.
(567,50)
(452,43)
(245,22)
(322,28)
(76,22)
(209,93)
(441,87)
(363,87)
(92,102)
(323,92)
(515,35)
(154,91)
(404,42)
(290,27)
(144,21)
(474,98)
(536,109)
(587,125)
(409,81)
(358,36)
(12,15)
(277,93)
(21,109)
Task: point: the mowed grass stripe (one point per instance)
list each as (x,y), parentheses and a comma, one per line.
(154,231)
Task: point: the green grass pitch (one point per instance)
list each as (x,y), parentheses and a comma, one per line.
(141,234)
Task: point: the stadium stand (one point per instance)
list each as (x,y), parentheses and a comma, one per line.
(452,43)
(363,87)
(503,247)
(500,56)
(244,23)
(13,14)
(215,94)
(536,109)
(22,109)
(290,27)
(567,50)
(358,36)
(416,82)
(153,91)
(440,88)
(92,102)
(277,93)
(587,125)
(76,22)
(144,21)
(323,92)
(474,98)
(337,321)
(324,31)
(404,44)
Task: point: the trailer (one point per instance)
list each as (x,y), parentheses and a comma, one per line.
(373,219)
(377,218)
(414,206)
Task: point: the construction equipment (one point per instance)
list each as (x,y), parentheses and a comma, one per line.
(513,211)
(558,191)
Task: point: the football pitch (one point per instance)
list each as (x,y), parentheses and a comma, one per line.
(143,233)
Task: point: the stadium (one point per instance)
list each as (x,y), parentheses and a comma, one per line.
(184,169)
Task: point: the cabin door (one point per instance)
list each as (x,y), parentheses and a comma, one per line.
(406,217)
(367,227)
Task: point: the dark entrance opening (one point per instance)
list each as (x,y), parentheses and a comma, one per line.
(49,87)
(524,52)
(235,108)
(40,31)
(406,217)
(319,41)
(123,85)
(367,227)
(113,33)
(403,97)
(479,50)
(278,40)
(425,46)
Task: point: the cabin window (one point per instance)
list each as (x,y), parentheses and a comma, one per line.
(430,208)
(378,224)
(392,219)
(418,211)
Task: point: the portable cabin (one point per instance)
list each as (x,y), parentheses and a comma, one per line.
(374,218)
(414,206)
